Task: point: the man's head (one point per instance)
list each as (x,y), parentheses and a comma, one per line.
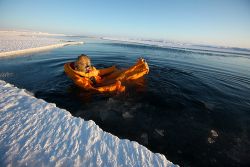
(83,63)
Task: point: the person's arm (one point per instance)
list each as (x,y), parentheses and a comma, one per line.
(106,71)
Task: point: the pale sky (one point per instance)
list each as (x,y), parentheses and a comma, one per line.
(218,22)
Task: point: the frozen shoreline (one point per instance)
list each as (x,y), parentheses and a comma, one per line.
(25,42)
(34,132)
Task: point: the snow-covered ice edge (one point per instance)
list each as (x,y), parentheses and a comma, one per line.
(13,43)
(37,49)
(34,132)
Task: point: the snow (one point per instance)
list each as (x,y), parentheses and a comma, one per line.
(34,132)
(15,40)
(23,42)
(181,45)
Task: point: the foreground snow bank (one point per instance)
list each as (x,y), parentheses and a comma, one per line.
(34,132)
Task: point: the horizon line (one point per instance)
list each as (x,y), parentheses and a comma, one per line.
(127,37)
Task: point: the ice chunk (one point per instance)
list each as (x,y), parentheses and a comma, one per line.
(160,132)
(212,136)
(210,140)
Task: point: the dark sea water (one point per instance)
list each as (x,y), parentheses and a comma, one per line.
(185,96)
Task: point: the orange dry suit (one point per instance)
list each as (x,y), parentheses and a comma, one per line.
(107,79)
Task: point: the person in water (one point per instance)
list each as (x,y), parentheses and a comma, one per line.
(108,79)
(83,64)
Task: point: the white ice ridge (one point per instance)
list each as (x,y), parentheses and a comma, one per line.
(36,133)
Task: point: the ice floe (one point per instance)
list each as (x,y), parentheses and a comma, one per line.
(19,42)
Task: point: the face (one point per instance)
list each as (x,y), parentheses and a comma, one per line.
(83,64)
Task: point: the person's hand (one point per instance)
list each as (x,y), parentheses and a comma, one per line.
(88,69)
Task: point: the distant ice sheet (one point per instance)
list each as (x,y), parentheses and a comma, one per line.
(36,133)
(16,40)
(180,45)
(14,43)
